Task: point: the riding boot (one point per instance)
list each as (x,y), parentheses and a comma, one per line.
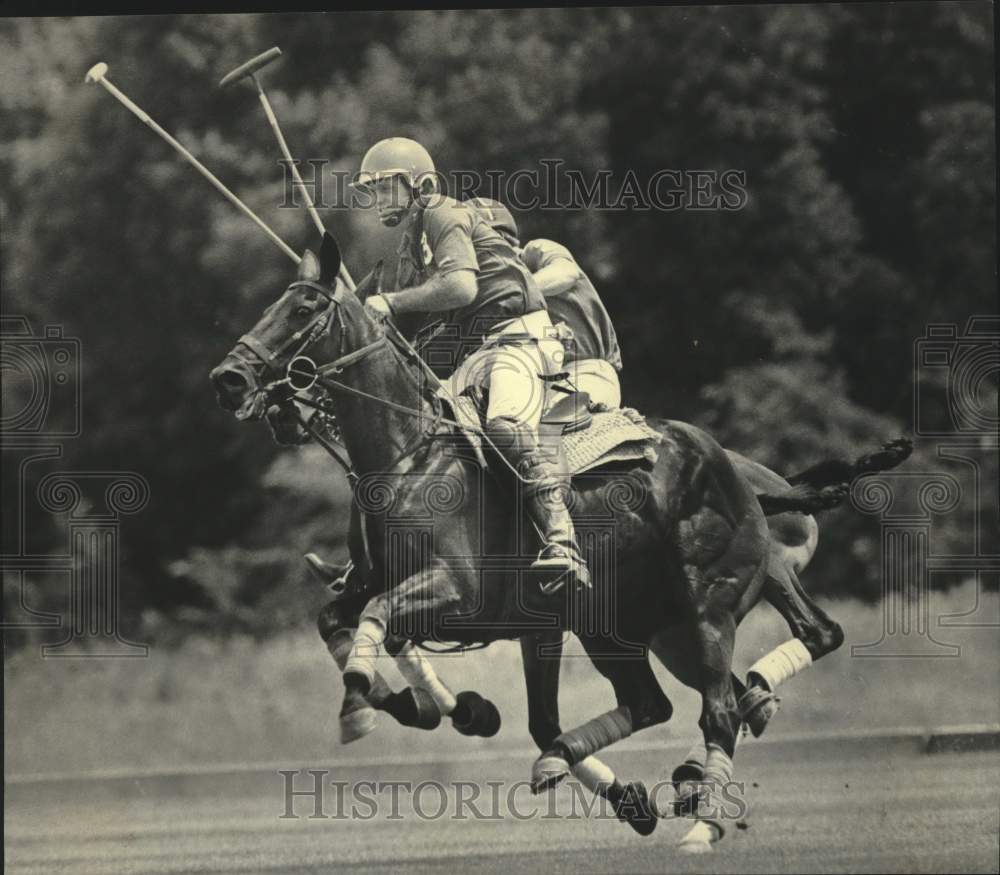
(544,496)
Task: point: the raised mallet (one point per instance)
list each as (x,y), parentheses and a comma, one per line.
(98,73)
(249,70)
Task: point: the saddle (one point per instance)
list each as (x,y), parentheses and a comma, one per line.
(591,438)
(571,413)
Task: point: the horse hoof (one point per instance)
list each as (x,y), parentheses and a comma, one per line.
(547,771)
(474,715)
(636,809)
(356,724)
(489,725)
(699,839)
(757,707)
(761,716)
(413,707)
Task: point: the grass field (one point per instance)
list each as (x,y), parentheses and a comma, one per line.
(236,700)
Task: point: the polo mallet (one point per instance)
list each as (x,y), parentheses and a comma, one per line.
(250,70)
(98,73)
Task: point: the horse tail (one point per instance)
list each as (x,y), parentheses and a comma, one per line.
(826,484)
(832,472)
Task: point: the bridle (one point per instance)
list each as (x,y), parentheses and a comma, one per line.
(304,337)
(302,373)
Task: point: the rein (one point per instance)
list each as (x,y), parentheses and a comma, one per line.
(302,366)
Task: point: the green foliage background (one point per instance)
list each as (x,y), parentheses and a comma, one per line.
(866,133)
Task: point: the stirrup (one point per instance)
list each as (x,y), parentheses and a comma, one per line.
(565,563)
(323,571)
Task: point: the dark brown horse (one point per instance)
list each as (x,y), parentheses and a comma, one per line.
(682,544)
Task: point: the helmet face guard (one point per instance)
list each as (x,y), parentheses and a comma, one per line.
(367,179)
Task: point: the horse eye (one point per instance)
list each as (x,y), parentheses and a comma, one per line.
(303,311)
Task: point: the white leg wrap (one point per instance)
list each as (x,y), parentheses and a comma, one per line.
(697,754)
(718,774)
(592,773)
(718,766)
(367,641)
(419,672)
(340,649)
(781,664)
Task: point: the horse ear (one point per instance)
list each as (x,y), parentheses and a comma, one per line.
(329,258)
(309,267)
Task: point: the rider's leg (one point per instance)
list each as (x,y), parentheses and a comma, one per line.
(598,379)
(514,409)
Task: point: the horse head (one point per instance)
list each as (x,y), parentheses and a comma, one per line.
(315,320)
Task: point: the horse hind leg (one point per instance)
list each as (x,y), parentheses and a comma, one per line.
(816,635)
(720,724)
(675,649)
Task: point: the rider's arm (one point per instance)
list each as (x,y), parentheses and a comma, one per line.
(441,292)
(558,277)
(554,269)
(447,229)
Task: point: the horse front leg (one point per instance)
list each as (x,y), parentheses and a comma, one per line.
(641,704)
(470,713)
(413,605)
(541,655)
(410,707)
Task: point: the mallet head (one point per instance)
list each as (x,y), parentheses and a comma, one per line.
(96,73)
(250,67)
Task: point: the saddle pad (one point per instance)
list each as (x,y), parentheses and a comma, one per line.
(614,436)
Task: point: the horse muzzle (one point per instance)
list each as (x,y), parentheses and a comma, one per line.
(238,389)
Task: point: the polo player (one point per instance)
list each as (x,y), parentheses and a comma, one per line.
(454,264)
(592,355)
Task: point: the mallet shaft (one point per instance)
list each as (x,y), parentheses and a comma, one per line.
(317,221)
(201,168)
(287,153)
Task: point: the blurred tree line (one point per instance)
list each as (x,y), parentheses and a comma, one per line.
(865,132)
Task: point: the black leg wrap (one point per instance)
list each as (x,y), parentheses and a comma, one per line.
(595,734)
(413,707)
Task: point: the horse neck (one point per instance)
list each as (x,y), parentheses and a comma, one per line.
(374,434)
